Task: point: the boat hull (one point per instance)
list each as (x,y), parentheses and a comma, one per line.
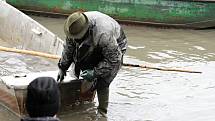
(187,13)
(13,98)
(20,31)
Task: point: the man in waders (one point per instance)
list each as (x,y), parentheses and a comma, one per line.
(95,43)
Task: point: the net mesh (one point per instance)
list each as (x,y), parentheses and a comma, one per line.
(4,72)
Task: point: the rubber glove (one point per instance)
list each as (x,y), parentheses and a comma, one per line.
(61,75)
(88,75)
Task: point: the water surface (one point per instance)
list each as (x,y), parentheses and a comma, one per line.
(139,94)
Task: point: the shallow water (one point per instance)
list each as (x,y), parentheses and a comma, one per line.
(139,94)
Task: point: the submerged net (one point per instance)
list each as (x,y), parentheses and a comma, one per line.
(4,72)
(14,63)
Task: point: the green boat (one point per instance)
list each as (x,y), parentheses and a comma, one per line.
(180,13)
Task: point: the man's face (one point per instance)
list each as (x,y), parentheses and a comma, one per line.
(84,37)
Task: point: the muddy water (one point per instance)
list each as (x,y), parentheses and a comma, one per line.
(152,95)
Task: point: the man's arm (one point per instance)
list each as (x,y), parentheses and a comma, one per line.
(66,58)
(112,56)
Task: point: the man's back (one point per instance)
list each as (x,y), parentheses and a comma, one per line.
(104,23)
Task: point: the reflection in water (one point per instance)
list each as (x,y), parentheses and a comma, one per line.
(163,96)
(151,95)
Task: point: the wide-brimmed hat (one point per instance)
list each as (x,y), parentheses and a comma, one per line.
(76,25)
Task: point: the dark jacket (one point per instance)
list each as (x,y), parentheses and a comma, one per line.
(40,119)
(102,49)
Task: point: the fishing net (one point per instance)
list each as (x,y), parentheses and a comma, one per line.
(4,72)
(14,63)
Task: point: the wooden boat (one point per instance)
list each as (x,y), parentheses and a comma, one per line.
(179,13)
(20,31)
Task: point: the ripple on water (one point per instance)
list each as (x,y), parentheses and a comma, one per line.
(151,95)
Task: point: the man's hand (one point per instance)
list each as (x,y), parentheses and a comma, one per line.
(61,75)
(88,75)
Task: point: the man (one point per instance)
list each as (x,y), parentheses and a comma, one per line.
(43,100)
(96,44)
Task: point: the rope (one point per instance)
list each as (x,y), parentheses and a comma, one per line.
(46,55)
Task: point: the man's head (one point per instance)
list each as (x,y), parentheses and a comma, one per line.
(76,25)
(43,97)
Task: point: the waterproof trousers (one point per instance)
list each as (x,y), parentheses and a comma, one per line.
(103,98)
